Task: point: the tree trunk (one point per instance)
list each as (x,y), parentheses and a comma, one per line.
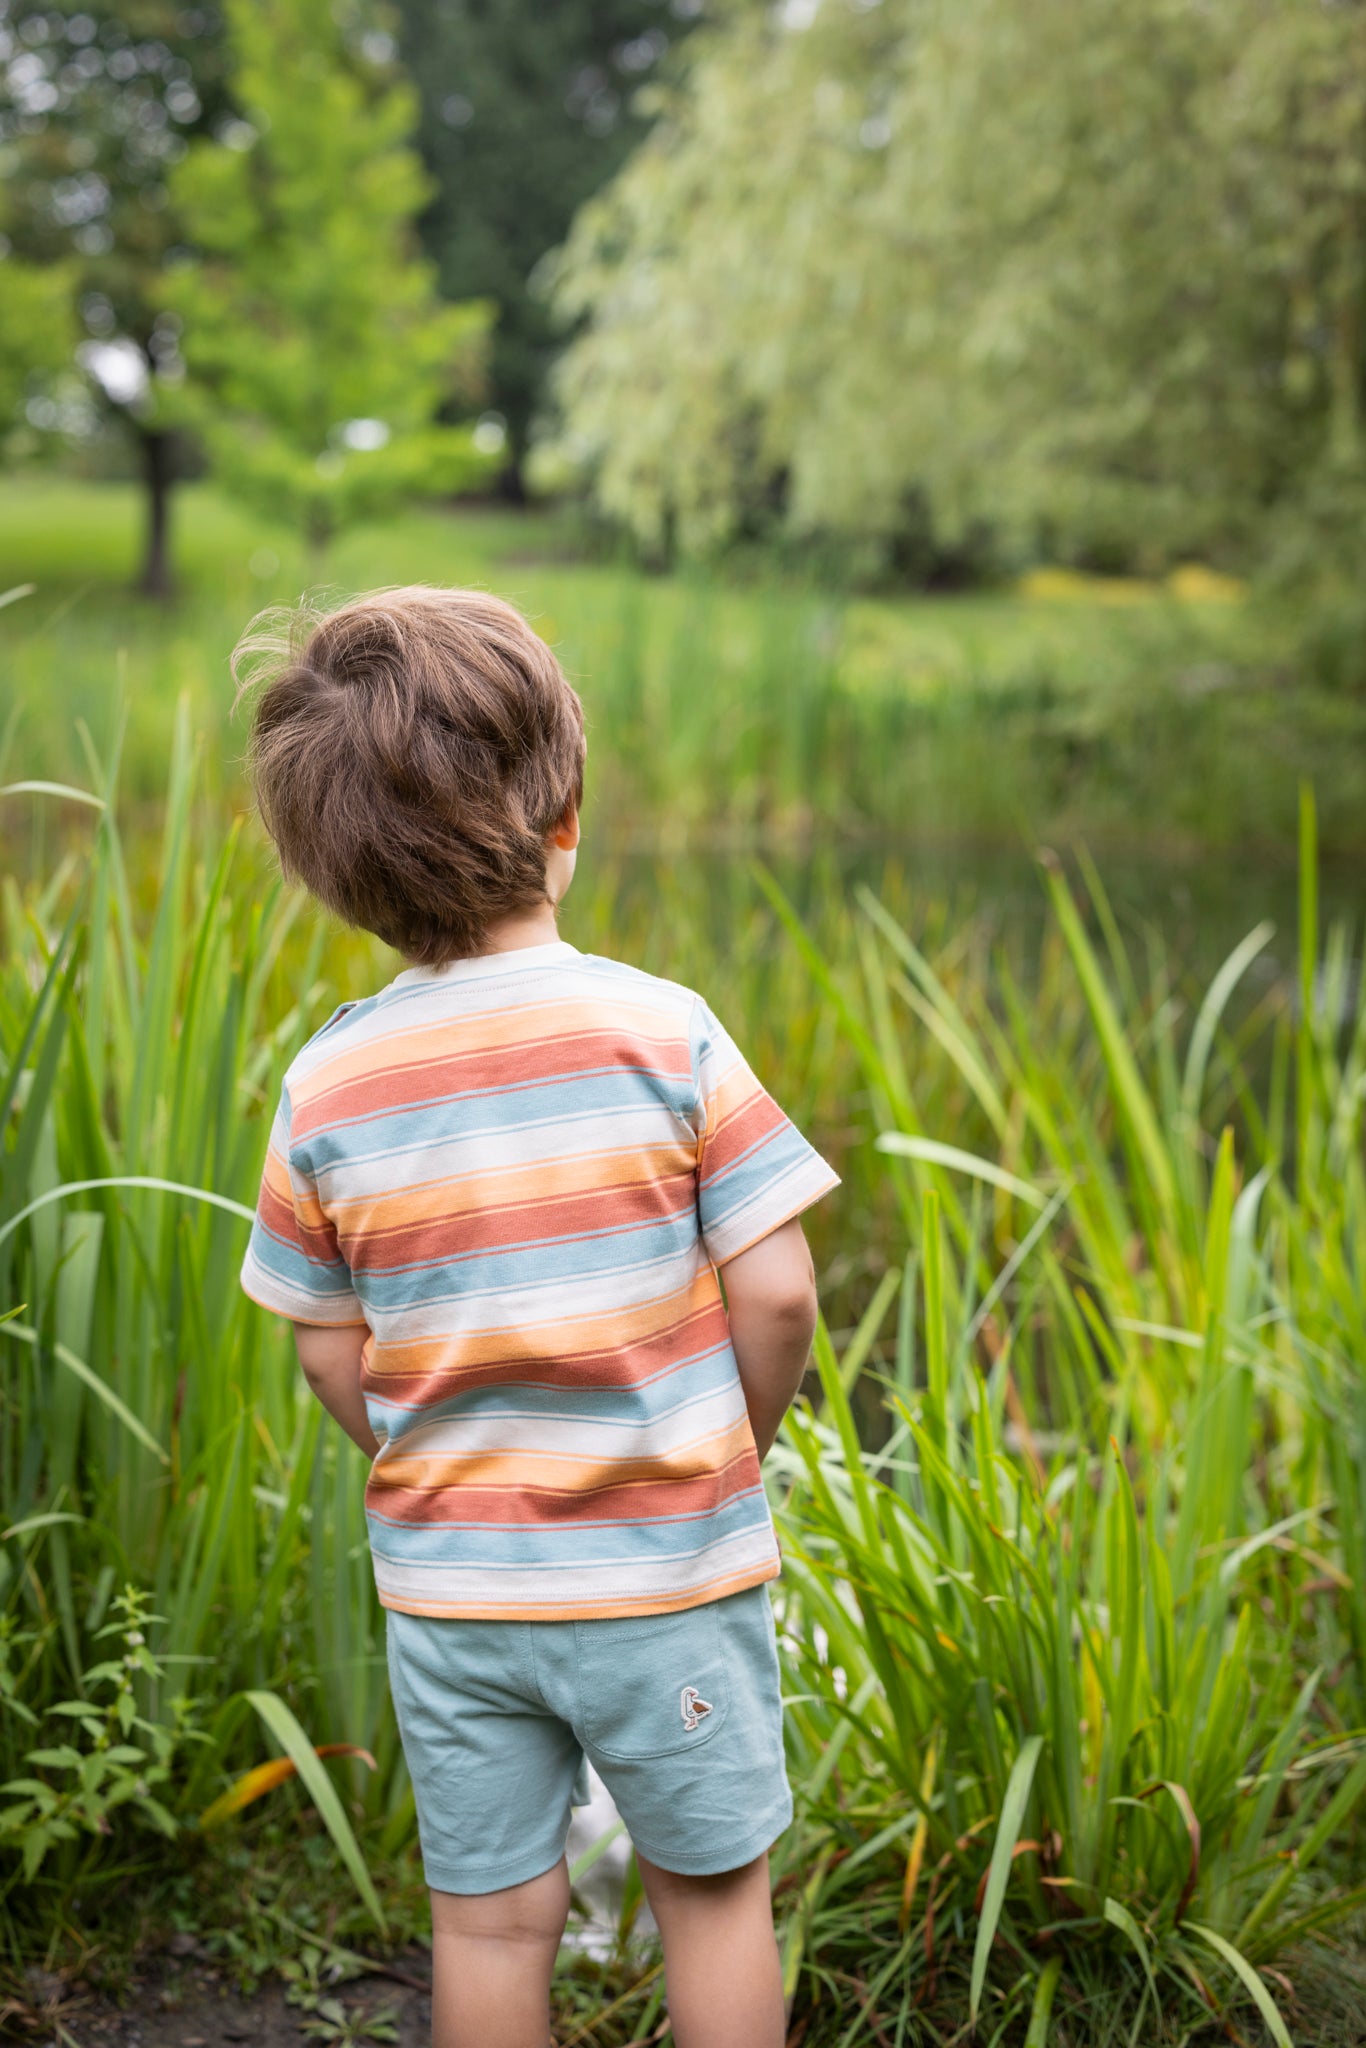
(158,469)
(317,539)
(512,483)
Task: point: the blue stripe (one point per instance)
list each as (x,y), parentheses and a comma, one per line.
(484,1113)
(534,1262)
(533,1274)
(282,1261)
(708,1372)
(565,1544)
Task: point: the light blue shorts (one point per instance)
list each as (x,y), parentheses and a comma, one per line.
(680,1714)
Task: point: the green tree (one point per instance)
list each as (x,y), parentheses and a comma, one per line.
(318,354)
(37,331)
(96,104)
(1090,278)
(526,110)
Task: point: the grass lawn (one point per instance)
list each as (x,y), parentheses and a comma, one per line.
(721,712)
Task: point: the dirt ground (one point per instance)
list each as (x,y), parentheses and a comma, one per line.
(188,2005)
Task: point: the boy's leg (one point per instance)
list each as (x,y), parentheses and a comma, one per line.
(492,1955)
(721,1968)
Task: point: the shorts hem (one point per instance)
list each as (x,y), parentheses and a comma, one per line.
(471,1882)
(713,1863)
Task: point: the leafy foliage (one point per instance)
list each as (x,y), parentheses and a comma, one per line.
(36,330)
(96,105)
(125,1760)
(525,111)
(312,324)
(1082,281)
(1068,1637)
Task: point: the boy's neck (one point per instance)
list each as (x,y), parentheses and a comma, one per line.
(529,928)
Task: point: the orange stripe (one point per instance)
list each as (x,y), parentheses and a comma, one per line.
(491,1036)
(545,1471)
(610,1330)
(628,1365)
(508,1187)
(489,1031)
(573,1220)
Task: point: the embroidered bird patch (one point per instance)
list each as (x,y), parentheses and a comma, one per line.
(693,1706)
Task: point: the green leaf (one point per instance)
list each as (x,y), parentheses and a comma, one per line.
(1120,1917)
(933,1153)
(581,1865)
(1256,1989)
(1212,1009)
(61,789)
(1007,1835)
(126,1180)
(33,1522)
(97,1386)
(1042,2007)
(282,1724)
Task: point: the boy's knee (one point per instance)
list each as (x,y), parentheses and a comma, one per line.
(529,1913)
(674,1887)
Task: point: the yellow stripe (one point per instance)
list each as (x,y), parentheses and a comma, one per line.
(551,1472)
(610,1330)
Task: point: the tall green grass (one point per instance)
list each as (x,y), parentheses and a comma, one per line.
(720,712)
(1074,1519)
(155,1431)
(1077,1642)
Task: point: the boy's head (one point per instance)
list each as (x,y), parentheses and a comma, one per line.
(413,753)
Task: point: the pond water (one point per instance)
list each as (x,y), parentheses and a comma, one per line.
(1194,905)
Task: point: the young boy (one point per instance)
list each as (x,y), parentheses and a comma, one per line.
(496,1203)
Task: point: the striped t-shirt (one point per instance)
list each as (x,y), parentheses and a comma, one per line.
(522,1172)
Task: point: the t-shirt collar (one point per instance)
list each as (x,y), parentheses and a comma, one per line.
(487,965)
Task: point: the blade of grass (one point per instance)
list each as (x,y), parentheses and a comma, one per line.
(998,1871)
(282,1724)
(1251,1982)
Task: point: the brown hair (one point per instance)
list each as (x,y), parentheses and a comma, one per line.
(411,752)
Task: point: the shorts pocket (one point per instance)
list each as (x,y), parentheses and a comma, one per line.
(653,1686)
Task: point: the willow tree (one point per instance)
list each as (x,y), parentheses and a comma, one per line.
(1089,278)
(322,366)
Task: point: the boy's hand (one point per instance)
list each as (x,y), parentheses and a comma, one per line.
(330,1355)
(771,1302)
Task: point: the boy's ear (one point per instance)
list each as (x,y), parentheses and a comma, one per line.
(566,833)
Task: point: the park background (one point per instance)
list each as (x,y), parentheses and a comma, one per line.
(932,439)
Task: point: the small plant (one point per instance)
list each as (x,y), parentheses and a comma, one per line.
(122,1761)
(330,2021)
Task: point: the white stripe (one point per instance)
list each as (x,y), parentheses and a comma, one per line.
(668,1435)
(654,1003)
(564,1299)
(601,1133)
(328,1305)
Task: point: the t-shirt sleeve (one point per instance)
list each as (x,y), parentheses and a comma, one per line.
(294,1264)
(755,1170)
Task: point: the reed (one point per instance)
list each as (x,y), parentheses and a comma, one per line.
(1074,1518)
(1076,1639)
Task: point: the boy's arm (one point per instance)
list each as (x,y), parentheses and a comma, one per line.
(771,1302)
(330,1355)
